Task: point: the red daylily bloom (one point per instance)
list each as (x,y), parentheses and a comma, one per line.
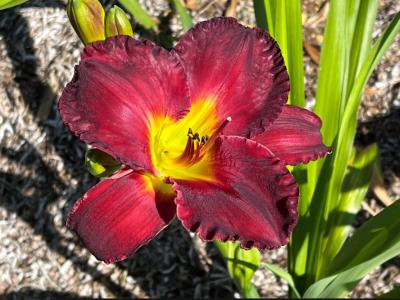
(203,131)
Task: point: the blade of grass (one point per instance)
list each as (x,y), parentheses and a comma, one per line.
(184,16)
(139,14)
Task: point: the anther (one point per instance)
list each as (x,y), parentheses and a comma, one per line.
(196,137)
(190,132)
(214,136)
(196,148)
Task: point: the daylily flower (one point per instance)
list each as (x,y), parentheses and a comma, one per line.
(203,131)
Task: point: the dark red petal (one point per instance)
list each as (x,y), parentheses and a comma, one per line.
(118,86)
(241,68)
(254,201)
(295,136)
(120,214)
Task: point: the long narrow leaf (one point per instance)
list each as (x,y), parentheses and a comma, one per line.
(265,15)
(349,123)
(294,52)
(140,15)
(375,242)
(362,37)
(344,141)
(331,98)
(10,3)
(186,19)
(354,189)
(285,276)
(280,27)
(241,265)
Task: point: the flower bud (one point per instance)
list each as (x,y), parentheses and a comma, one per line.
(100,164)
(87,18)
(117,23)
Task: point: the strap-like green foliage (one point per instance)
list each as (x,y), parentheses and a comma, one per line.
(138,13)
(10,3)
(241,265)
(285,276)
(375,242)
(185,17)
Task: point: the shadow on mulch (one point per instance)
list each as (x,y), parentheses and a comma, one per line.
(155,274)
(28,293)
(385,132)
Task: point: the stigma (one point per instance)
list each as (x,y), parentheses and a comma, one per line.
(196,147)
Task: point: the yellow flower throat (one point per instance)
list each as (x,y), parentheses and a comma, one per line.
(181,149)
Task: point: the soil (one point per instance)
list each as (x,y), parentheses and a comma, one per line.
(42,171)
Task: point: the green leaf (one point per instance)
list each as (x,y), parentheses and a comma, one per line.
(139,14)
(285,276)
(362,37)
(265,12)
(10,3)
(314,204)
(375,242)
(334,167)
(294,52)
(241,265)
(186,19)
(331,88)
(100,164)
(393,294)
(354,189)
(343,147)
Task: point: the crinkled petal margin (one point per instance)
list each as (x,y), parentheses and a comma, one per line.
(254,202)
(295,136)
(119,87)
(240,68)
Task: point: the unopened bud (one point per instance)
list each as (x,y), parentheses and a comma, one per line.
(117,23)
(87,18)
(100,164)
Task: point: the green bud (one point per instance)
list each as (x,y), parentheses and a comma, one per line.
(100,164)
(117,23)
(87,18)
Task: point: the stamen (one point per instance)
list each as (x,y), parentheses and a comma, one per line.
(215,135)
(196,148)
(196,137)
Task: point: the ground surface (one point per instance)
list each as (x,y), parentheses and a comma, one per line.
(41,171)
